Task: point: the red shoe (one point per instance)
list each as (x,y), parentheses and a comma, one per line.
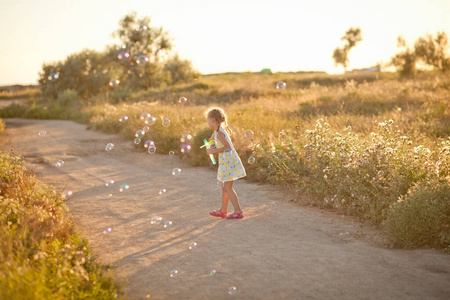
(235,215)
(218,213)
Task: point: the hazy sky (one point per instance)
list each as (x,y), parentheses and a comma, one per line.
(217,36)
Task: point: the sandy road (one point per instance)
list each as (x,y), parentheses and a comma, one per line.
(281,250)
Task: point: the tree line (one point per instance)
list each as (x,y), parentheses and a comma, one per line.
(143,59)
(430,51)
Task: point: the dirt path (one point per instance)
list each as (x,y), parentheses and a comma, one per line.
(279,251)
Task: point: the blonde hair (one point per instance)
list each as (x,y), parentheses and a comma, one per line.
(219,115)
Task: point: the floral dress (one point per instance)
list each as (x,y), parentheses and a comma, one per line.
(230,165)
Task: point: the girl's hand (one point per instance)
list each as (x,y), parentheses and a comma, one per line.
(209,151)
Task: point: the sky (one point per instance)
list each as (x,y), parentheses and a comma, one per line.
(217,36)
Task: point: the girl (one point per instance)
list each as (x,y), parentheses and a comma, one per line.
(230,165)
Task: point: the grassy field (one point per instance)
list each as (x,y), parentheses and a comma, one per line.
(369,145)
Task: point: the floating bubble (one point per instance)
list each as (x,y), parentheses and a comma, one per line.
(59,163)
(114,82)
(151,149)
(142,60)
(249,134)
(109,182)
(123,119)
(124,187)
(150,120)
(156,220)
(123,55)
(281,85)
(165,122)
(176,171)
(185,137)
(109,147)
(52,76)
(182,100)
(192,246)
(251,160)
(148,143)
(42,132)
(145,115)
(162,191)
(167,224)
(173,273)
(171,153)
(146,129)
(67,194)
(212,272)
(185,148)
(137,140)
(220,184)
(107,230)
(139,133)
(232,290)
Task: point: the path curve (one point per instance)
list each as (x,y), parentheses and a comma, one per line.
(281,250)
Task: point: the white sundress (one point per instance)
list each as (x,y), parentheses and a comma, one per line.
(230,164)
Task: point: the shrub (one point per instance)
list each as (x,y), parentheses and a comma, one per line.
(421,217)
(41,257)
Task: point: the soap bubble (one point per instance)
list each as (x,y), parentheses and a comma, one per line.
(281,85)
(173,273)
(251,160)
(192,246)
(249,134)
(165,122)
(109,182)
(146,129)
(162,191)
(124,187)
(182,100)
(123,119)
(142,60)
(59,163)
(156,220)
(232,290)
(148,143)
(220,184)
(114,82)
(167,224)
(145,115)
(171,153)
(42,132)
(123,55)
(212,272)
(107,230)
(176,171)
(185,137)
(139,133)
(67,194)
(185,148)
(53,76)
(137,140)
(109,147)
(150,120)
(151,149)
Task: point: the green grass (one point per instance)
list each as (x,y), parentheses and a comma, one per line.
(41,256)
(354,143)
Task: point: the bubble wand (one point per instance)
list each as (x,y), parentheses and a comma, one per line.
(208,145)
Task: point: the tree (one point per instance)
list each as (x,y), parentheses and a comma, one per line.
(433,51)
(351,38)
(405,60)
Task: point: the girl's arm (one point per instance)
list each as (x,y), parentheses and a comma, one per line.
(225,143)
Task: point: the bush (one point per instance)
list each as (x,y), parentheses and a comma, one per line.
(422,216)
(41,257)
(67,97)
(2,125)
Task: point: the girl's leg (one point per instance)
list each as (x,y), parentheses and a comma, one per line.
(228,187)
(225,199)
